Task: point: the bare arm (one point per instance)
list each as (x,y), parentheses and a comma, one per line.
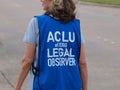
(27,60)
(83,69)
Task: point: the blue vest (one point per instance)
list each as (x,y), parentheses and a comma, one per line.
(59,52)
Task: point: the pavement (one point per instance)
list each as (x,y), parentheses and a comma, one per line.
(101,29)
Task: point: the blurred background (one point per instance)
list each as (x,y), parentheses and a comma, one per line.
(100,23)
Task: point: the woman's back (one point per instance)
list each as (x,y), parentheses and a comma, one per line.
(59,50)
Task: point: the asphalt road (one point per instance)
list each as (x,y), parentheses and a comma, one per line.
(101,28)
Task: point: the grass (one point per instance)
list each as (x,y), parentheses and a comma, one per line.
(111,2)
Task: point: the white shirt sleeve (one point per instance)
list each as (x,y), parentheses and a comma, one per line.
(31,33)
(82,37)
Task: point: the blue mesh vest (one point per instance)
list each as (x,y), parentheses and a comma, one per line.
(59,52)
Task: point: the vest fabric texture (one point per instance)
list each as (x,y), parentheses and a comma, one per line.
(59,53)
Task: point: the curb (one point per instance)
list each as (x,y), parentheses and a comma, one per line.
(97,4)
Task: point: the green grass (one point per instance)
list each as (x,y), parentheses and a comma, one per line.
(112,2)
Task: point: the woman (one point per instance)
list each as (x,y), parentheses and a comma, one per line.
(54,50)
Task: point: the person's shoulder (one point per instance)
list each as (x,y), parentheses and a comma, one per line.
(33,24)
(41,16)
(33,20)
(77,19)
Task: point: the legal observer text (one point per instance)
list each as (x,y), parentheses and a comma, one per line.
(60,57)
(52,62)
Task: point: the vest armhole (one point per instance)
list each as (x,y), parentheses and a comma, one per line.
(79,27)
(35,68)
